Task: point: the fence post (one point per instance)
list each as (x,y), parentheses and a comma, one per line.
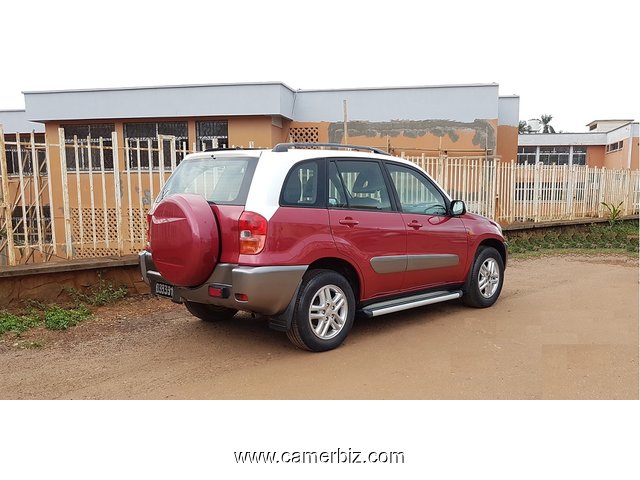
(117,191)
(35,166)
(4,201)
(536,192)
(23,198)
(601,192)
(571,188)
(628,201)
(65,194)
(52,215)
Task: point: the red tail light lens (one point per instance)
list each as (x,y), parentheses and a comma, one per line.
(148,246)
(253,233)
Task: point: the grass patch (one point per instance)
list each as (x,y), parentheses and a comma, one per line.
(620,237)
(55,317)
(58,318)
(17,324)
(52,317)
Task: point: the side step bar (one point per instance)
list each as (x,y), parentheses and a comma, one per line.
(392,306)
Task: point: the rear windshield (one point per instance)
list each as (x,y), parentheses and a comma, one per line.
(220,180)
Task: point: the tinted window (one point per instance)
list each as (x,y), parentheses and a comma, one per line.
(357,185)
(301,187)
(416,193)
(218,180)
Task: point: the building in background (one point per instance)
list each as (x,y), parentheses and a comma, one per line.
(456,120)
(613,144)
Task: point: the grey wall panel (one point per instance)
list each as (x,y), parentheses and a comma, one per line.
(509,111)
(179,101)
(13,121)
(458,103)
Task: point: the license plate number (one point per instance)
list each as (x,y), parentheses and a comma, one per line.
(164,290)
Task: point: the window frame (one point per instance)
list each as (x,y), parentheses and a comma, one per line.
(420,173)
(71,141)
(152,146)
(393,208)
(321,191)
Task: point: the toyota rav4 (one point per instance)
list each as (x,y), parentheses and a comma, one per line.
(308,236)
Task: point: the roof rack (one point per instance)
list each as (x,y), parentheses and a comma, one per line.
(220,149)
(284,147)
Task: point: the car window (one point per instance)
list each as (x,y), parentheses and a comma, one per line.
(218,180)
(416,193)
(301,186)
(357,185)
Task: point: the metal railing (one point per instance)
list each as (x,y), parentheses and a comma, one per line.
(88,198)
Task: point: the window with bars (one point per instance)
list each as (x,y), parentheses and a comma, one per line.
(83,146)
(554,155)
(212,134)
(527,155)
(142,140)
(25,154)
(31,216)
(579,156)
(614,147)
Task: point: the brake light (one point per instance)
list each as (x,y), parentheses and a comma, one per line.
(148,246)
(253,233)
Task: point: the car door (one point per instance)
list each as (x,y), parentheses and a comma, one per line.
(366,228)
(436,241)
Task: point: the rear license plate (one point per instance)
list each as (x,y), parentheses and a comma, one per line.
(164,290)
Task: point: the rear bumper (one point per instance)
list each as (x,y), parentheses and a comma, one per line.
(269,289)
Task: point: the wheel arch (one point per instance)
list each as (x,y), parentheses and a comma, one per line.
(342,267)
(498,245)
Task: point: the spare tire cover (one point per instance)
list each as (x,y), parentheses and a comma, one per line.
(184,239)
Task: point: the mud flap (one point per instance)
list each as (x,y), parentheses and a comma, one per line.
(282,322)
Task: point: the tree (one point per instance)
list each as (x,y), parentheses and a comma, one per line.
(546,124)
(523,127)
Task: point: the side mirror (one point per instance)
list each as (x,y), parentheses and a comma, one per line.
(458,208)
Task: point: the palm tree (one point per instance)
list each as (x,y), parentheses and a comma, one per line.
(546,124)
(523,127)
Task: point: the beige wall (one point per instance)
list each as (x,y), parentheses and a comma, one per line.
(507,148)
(244,130)
(626,157)
(595,155)
(452,142)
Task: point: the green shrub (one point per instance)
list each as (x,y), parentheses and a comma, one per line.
(58,318)
(17,324)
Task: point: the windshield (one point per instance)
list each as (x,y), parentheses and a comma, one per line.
(222,180)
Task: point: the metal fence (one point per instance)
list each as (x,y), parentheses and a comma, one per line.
(520,193)
(86,198)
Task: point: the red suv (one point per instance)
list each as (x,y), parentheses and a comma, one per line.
(308,237)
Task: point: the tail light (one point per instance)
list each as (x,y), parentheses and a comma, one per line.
(148,247)
(253,233)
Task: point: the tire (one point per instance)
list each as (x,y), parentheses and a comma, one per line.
(484,284)
(209,313)
(324,311)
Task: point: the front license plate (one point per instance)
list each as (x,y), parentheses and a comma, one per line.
(164,290)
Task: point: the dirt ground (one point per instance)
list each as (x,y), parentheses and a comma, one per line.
(565,327)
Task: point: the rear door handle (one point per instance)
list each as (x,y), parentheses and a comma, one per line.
(415,224)
(349,222)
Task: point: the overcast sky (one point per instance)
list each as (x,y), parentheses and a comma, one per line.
(577,61)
